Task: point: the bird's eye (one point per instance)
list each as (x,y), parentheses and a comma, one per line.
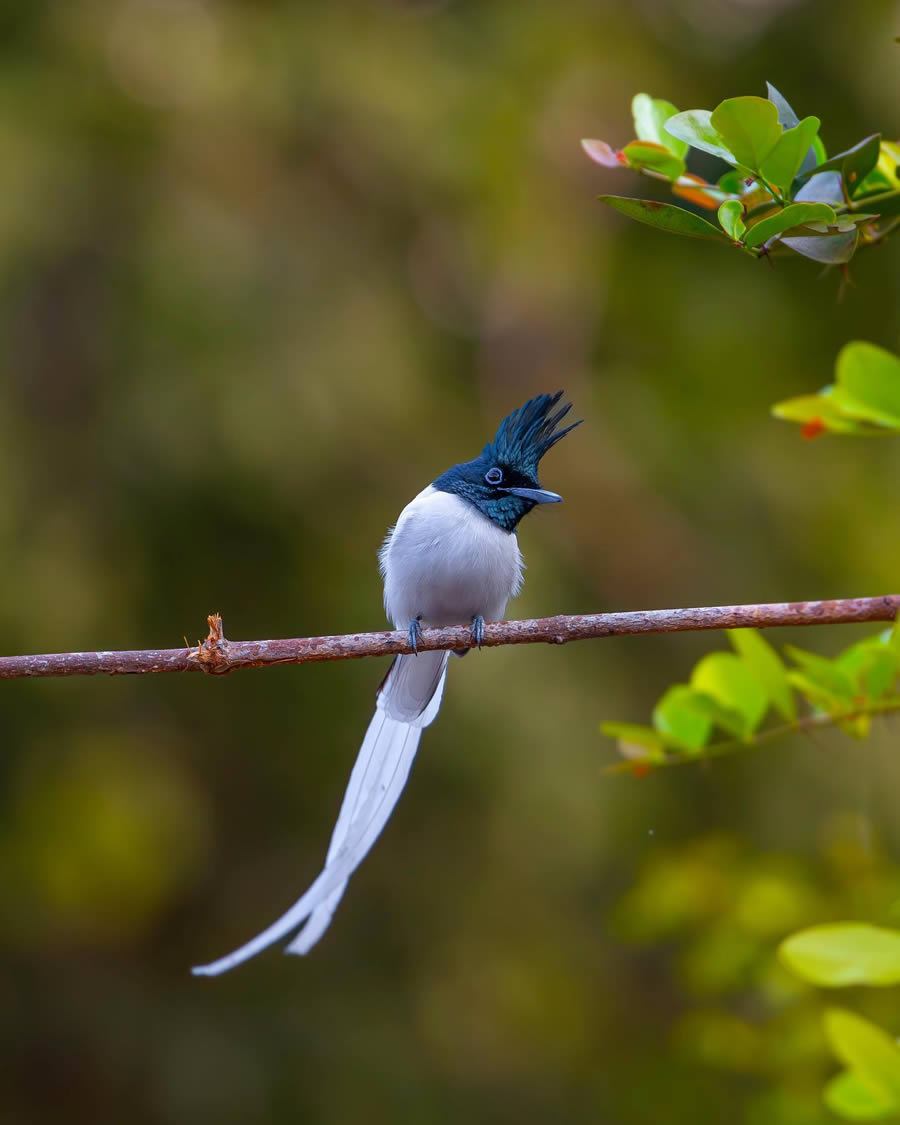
(494,476)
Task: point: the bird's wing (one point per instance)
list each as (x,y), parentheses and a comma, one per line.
(376,782)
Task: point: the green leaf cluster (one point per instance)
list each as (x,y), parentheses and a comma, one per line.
(864,398)
(851,953)
(782,191)
(732,694)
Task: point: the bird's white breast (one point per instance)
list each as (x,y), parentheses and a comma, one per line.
(446,562)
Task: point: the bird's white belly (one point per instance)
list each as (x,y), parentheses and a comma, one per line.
(446,563)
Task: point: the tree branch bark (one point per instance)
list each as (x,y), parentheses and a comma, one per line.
(217,655)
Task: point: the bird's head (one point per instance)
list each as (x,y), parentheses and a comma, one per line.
(503,482)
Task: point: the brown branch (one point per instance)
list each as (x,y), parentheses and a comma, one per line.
(217,655)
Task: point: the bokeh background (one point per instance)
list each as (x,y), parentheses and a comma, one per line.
(267,268)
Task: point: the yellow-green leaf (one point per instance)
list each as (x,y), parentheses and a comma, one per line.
(819,408)
(783,162)
(794,215)
(676,715)
(765,663)
(656,157)
(844,953)
(731,217)
(694,126)
(726,678)
(849,1095)
(872,666)
(650,116)
(827,675)
(868,383)
(749,128)
(636,741)
(868,1050)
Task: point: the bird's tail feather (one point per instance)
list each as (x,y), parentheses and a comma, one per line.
(376,782)
(406,680)
(413,687)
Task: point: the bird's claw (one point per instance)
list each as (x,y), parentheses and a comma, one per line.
(415,635)
(478,629)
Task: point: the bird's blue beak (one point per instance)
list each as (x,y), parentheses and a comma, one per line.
(537,495)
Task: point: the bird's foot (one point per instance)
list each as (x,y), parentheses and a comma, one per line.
(478,629)
(415,634)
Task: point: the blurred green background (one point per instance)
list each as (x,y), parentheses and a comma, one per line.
(267,269)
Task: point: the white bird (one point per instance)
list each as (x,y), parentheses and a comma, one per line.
(452,557)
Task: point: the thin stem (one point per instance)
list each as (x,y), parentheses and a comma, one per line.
(760,179)
(870,200)
(817,721)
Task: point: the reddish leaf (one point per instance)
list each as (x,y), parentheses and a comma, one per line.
(814,428)
(602,153)
(695,194)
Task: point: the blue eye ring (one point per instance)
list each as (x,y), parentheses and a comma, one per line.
(494,476)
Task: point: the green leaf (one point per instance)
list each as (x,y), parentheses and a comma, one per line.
(695,127)
(848,1095)
(636,741)
(893,642)
(867,1050)
(855,163)
(819,156)
(822,680)
(875,183)
(765,663)
(784,161)
(872,666)
(878,674)
(646,154)
(749,128)
(794,215)
(730,682)
(885,176)
(812,408)
(844,953)
(732,182)
(725,718)
(859,163)
(676,715)
(830,250)
(665,216)
(788,119)
(731,217)
(650,116)
(868,383)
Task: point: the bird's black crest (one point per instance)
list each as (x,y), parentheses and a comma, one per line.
(524,436)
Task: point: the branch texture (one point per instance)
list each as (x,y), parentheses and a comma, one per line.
(217,655)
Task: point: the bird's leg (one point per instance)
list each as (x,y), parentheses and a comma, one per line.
(415,634)
(478,629)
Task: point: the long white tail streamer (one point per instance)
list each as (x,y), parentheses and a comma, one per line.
(376,782)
